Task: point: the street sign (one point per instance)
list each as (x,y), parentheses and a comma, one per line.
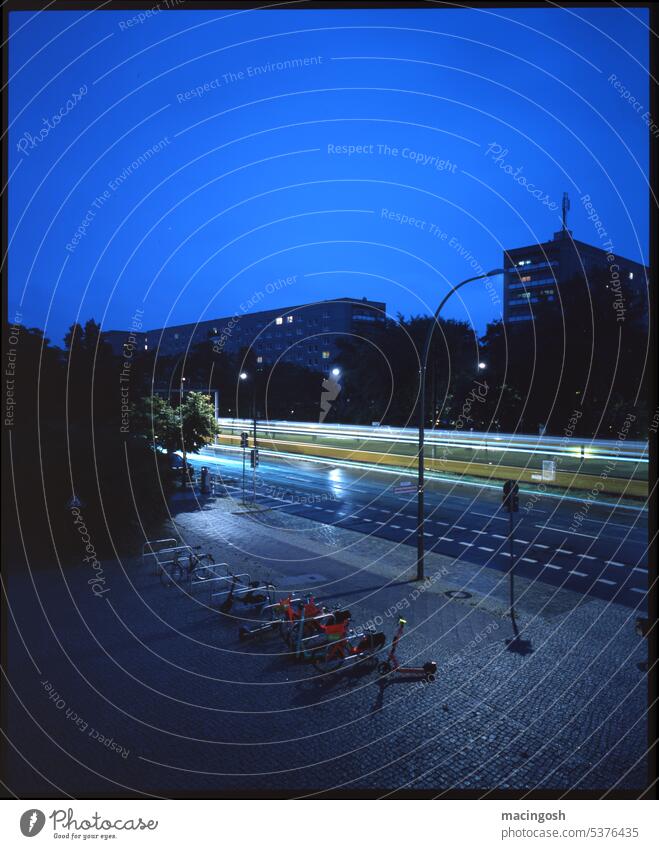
(254,457)
(511,496)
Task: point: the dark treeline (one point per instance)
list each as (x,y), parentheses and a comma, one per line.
(66,443)
(586,355)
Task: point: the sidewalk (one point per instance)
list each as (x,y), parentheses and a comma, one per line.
(146,690)
(570,713)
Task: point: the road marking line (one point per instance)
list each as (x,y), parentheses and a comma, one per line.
(523,541)
(540,545)
(637,590)
(367,520)
(553,566)
(613,563)
(395,526)
(580,574)
(563,551)
(505,554)
(426,534)
(479,532)
(566,531)
(498,536)
(468,544)
(380,523)
(605,581)
(640,569)
(486,516)
(446,539)
(529,560)
(459,528)
(485,548)
(587,556)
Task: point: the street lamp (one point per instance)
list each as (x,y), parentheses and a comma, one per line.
(423,368)
(244,376)
(336,372)
(482,365)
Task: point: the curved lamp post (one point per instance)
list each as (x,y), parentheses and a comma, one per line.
(423,367)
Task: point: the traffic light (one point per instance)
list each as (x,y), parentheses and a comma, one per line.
(243,439)
(254,457)
(511,496)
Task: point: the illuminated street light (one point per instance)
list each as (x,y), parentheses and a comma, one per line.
(243,375)
(420,541)
(482,365)
(336,372)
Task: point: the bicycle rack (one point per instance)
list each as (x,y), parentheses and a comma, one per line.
(150,543)
(242,589)
(245,632)
(176,551)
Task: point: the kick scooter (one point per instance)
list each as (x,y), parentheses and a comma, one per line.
(392,664)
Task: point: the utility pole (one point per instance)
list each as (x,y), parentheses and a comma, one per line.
(243,444)
(421,404)
(255,453)
(511,505)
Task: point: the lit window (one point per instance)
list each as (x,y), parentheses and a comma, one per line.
(259,359)
(526,278)
(326,355)
(279,320)
(289,319)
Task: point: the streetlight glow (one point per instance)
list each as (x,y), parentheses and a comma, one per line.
(482,365)
(336,372)
(243,375)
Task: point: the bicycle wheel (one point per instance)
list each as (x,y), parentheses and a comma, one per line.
(328,659)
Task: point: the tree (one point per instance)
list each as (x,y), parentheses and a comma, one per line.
(196,423)
(155,420)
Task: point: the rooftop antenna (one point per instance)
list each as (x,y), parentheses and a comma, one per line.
(566,207)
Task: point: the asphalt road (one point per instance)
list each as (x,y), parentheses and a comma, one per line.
(603,554)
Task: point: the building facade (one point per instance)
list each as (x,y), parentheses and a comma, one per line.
(306,334)
(534,274)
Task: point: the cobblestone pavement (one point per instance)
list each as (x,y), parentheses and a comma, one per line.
(144,689)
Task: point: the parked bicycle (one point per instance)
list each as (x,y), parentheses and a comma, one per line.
(343,646)
(184,565)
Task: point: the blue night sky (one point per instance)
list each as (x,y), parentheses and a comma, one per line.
(246,183)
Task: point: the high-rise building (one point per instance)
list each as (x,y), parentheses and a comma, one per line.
(534,274)
(306,334)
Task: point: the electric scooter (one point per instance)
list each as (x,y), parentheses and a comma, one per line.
(392,664)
